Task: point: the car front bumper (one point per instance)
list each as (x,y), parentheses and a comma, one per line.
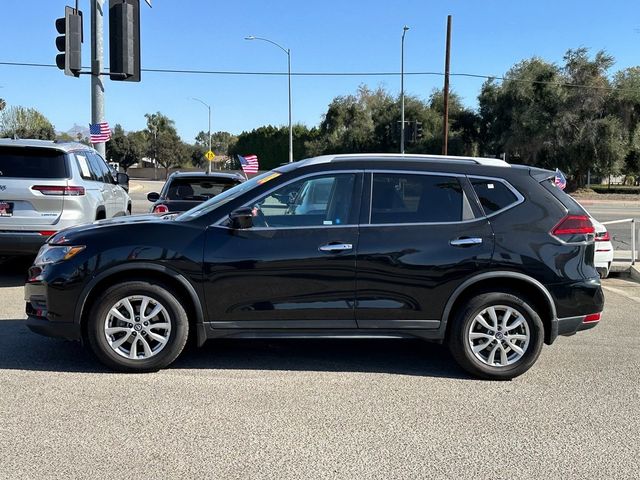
(42,320)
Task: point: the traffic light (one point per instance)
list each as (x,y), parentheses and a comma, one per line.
(417,131)
(69,42)
(124,40)
(409,132)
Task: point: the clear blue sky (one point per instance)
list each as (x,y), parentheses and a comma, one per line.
(489,36)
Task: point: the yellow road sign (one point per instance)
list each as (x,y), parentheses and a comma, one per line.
(210,155)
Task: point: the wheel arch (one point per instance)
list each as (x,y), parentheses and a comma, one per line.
(142,271)
(506,281)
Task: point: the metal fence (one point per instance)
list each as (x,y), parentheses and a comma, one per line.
(623,244)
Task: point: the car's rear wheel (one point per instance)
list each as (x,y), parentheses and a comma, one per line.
(137,326)
(496,336)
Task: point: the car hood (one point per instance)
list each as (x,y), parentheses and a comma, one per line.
(68,234)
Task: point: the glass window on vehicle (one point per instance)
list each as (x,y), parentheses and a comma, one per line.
(493,194)
(99,168)
(414,198)
(20,162)
(200,189)
(83,166)
(316,201)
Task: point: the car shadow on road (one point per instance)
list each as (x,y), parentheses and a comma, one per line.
(20,349)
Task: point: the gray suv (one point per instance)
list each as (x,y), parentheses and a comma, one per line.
(46,186)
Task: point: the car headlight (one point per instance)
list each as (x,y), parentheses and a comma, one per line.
(56,253)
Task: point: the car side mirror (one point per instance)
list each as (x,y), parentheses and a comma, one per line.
(153,196)
(123,180)
(241,218)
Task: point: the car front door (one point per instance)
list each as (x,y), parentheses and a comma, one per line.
(295,267)
(424,236)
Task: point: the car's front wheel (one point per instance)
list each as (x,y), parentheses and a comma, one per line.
(496,336)
(137,326)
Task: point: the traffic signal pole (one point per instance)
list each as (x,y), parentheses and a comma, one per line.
(445,134)
(97,55)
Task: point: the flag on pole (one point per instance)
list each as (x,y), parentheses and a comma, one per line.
(560,180)
(249,163)
(99,132)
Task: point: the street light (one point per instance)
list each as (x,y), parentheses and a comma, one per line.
(209,107)
(288,52)
(404,31)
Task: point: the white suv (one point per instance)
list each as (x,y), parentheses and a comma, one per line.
(46,186)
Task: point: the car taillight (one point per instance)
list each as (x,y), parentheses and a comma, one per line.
(47,233)
(59,190)
(603,237)
(160,209)
(573,225)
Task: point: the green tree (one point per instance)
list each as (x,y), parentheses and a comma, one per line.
(126,148)
(164,144)
(25,123)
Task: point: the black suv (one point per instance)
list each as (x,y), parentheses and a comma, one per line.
(491,258)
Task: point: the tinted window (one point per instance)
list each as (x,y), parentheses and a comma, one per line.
(32,163)
(493,195)
(316,201)
(400,198)
(99,168)
(198,188)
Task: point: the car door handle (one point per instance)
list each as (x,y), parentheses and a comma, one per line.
(335,247)
(465,242)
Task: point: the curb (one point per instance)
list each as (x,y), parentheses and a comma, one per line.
(635,272)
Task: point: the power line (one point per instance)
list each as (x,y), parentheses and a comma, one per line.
(339,74)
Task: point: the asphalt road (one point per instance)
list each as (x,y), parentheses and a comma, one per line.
(320,409)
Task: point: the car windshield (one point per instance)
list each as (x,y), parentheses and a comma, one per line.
(226,196)
(199,189)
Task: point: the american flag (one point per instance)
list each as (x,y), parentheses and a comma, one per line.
(99,132)
(560,180)
(249,163)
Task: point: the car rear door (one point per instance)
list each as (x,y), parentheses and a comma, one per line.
(103,182)
(295,268)
(32,183)
(423,236)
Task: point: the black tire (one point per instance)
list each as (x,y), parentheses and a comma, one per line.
(176,315)
(460,345)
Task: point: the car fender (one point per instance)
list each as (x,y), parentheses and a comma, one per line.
(84,295)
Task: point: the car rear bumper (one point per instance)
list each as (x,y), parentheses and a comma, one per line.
(571,325)
(20,243)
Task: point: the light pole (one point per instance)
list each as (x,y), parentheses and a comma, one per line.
(209,108)
(288,52)
(404,31)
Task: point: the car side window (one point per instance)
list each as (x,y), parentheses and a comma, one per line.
(99,168)
(84,167)
(493,195)
(316,201)
(415,198)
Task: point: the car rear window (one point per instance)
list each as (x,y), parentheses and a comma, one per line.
(18,162)
(493,195)
(199,189)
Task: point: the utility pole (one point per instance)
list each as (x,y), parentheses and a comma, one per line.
(97,55)
(445,140)
(404,31)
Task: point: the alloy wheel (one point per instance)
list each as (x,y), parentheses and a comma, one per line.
(499,336)
(137,327)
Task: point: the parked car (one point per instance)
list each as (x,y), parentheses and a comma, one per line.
(604,249)
(46,186)
(491,258)
(185,190)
